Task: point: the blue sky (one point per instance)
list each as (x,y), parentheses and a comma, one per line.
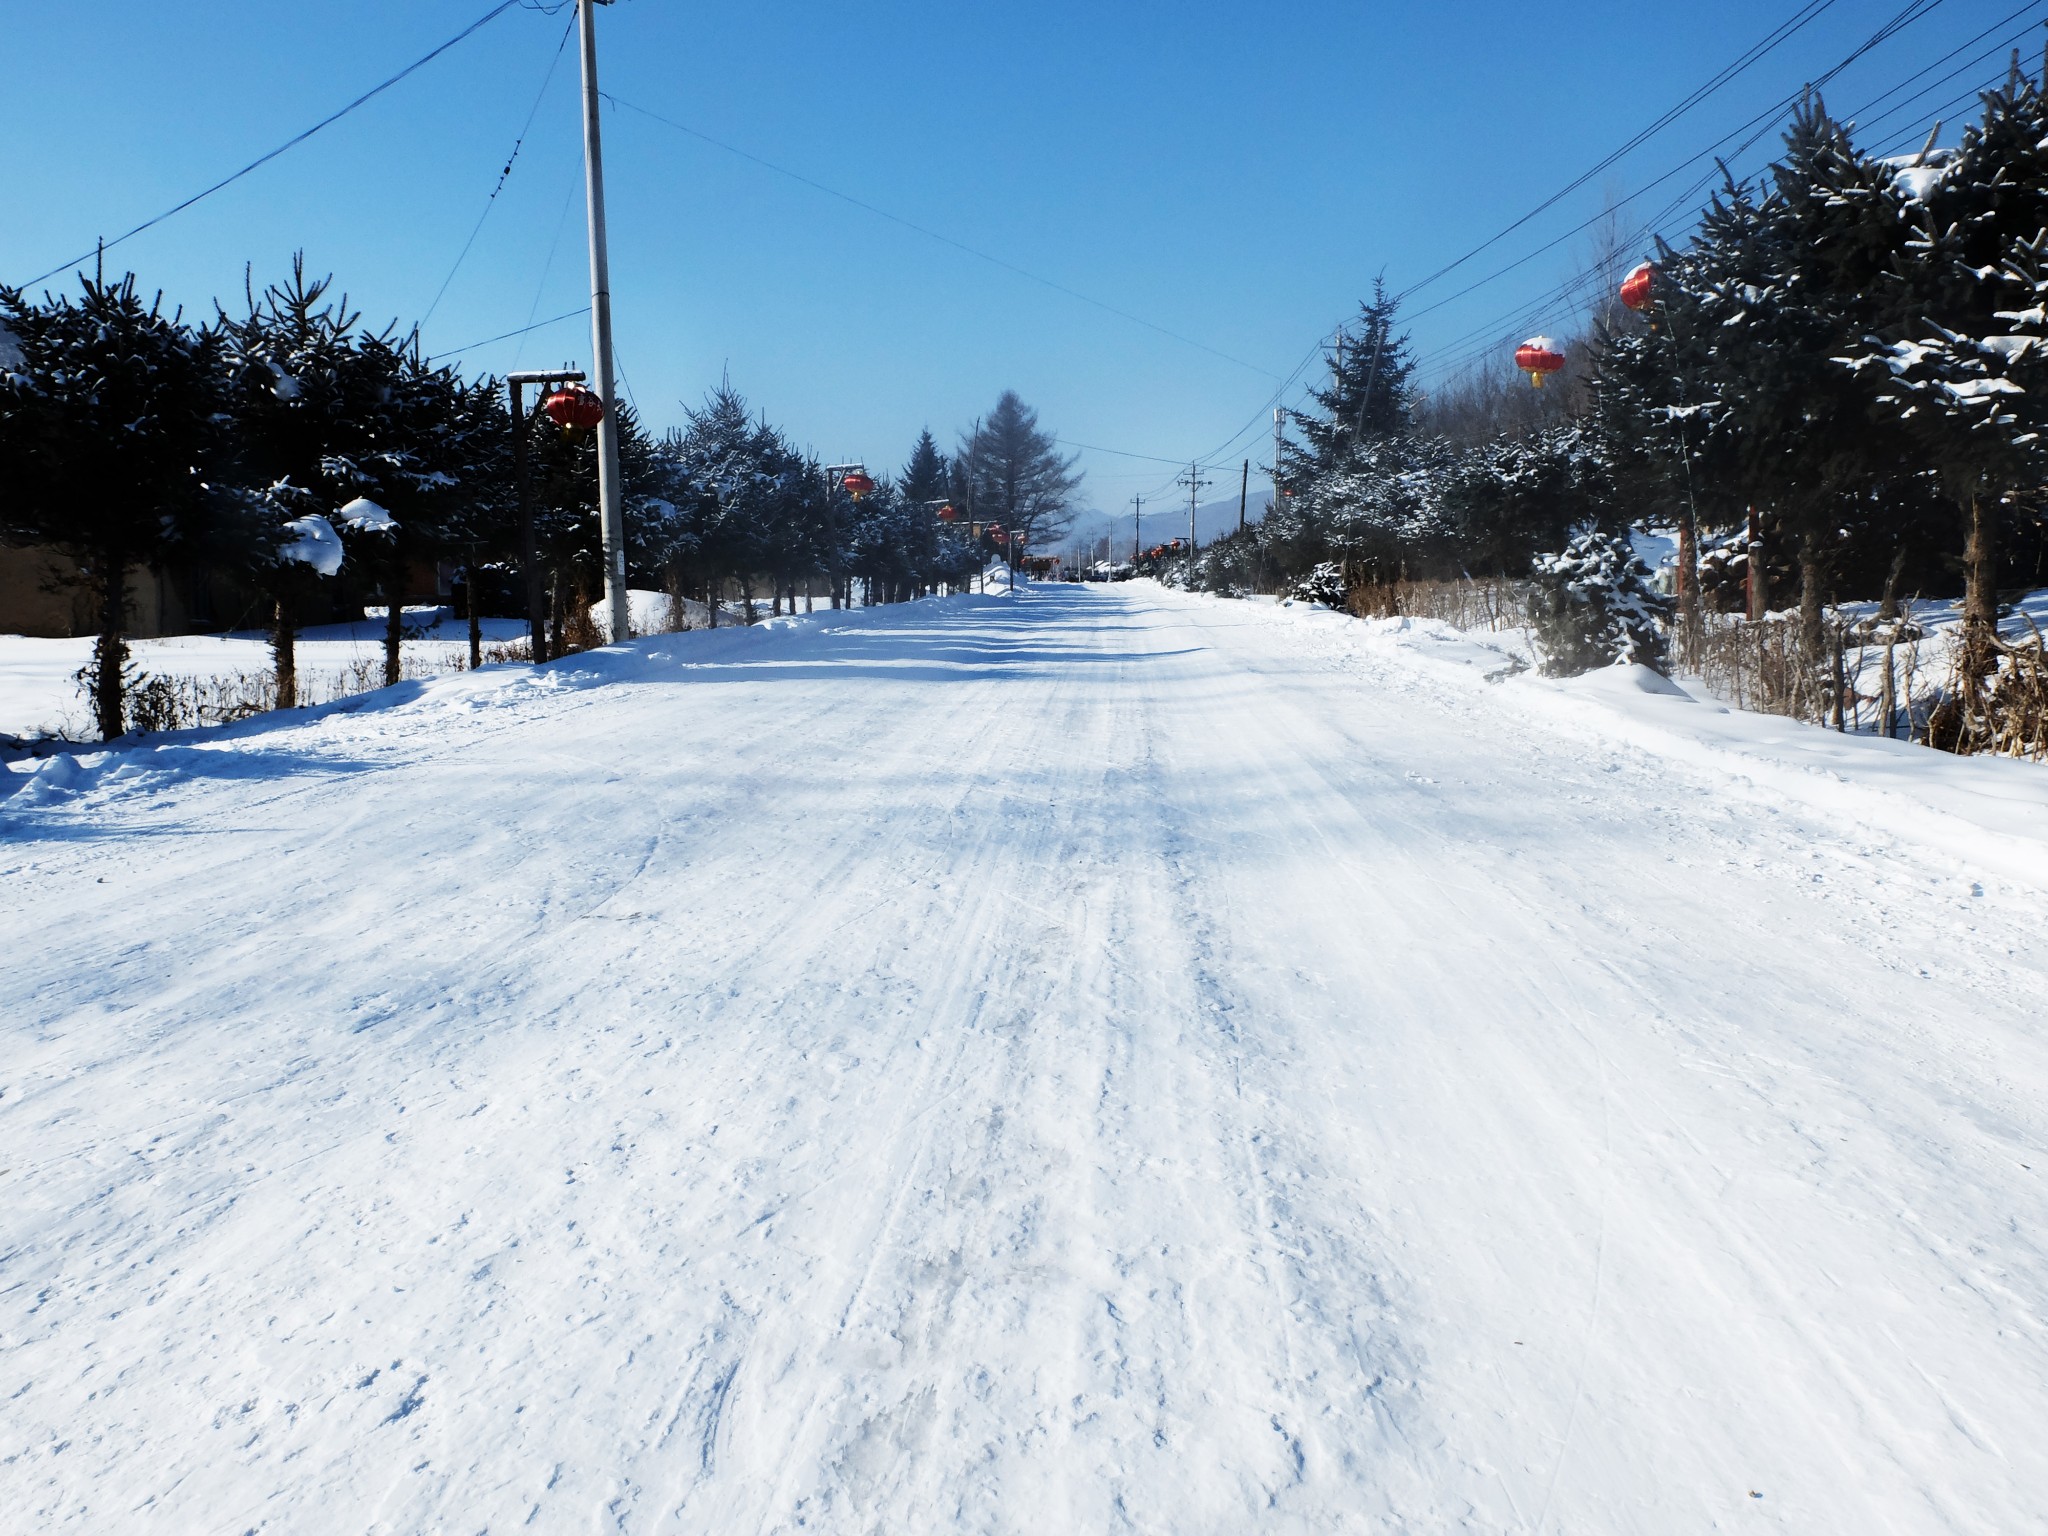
(1235,175)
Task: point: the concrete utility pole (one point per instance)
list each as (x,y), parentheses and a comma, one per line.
(1244,486)
(611,506)
(1137,527)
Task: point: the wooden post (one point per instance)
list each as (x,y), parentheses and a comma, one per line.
(476,628)
(529,544)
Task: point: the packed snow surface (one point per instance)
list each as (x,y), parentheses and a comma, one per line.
(1096,1060)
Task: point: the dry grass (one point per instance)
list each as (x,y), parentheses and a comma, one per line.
(1866,677)
(2004,714)
(171,703)
(1491,604)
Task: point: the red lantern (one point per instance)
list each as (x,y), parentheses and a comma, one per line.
(574,408)
(1635,288)
(1537,356)
(857,483)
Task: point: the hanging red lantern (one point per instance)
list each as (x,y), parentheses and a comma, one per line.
(1635,288)
(857,483)
(1537,356)
(574,408)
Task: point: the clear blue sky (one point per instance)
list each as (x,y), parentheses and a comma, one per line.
(1235,174)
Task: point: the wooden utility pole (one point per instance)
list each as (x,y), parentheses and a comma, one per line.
(1137,527)
(1244,486)
(529,544)
(476,629)
(1757,587)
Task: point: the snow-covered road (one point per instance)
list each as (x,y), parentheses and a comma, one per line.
(1102,1061)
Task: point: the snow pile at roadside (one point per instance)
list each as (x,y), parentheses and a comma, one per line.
(1992,812)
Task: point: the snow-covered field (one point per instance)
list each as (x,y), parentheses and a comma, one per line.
(1103,1060)
(39,692)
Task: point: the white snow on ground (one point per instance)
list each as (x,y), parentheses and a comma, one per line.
(1100,1060)
(39,691)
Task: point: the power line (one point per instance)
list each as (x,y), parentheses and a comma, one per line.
(508,335)
(292,143)
(1761,121)
(1685,200)
(547,268)
(932,234)
(503,176)
(1749,57)
(1122,453)
(1915,10)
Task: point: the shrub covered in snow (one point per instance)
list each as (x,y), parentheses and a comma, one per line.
(1594,607)
(1324,584)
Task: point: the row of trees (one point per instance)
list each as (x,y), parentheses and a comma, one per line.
(1373,482)
(1841,387)
(305,462)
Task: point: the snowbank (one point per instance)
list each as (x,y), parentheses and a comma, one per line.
(1990,812)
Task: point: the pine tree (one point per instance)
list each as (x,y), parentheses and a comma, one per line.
(924,477)
(1788,278)
(735,481)
(1369,396)
(1595,608)
(110,446)
(1014,474)
(297,395)
(1945,360)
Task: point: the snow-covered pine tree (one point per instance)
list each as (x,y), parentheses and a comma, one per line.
(1652,417)
(1595,608)
(1979,402)
(1368,397)
(731,476)
(1945,359)
(1507,500)
(110,447)
(1790,275)
(295,396)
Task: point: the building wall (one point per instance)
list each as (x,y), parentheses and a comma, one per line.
(40,595)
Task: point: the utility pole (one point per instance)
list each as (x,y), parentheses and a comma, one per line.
(529,547)
(1244,486)
(1137,527)
(611,506)
(1194,482)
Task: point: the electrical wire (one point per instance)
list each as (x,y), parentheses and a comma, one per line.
(1122,453)
(471,346)
(292,143)
(503,176)
(1686,200)
(547,267)
(1761,122)
(1754,128)
(1750,56)
(932,234)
